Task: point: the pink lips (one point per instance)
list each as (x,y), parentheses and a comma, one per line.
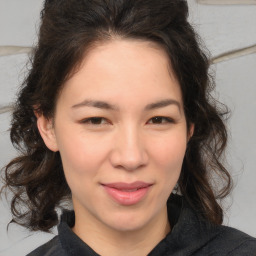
(127,193)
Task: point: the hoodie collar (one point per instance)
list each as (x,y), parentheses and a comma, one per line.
(189,232)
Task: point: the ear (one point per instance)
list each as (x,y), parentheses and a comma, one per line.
(191,131)
(47,132)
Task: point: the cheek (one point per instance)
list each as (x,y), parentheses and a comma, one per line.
(81,154)
(170,150)
(168,158)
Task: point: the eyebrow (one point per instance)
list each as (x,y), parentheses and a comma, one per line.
(96,104)
(163,103)
(108,106)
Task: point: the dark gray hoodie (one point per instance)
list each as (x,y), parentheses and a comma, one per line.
(190,235)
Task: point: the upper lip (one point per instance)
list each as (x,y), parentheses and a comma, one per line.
(124,185)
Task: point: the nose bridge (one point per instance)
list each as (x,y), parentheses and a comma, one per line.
(129,151)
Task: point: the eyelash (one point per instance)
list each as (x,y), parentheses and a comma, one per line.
(89,120)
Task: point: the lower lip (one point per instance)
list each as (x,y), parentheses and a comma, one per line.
(127,197)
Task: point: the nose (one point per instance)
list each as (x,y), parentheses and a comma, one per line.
(129,151)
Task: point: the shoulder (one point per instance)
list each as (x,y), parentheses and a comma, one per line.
(51,248)
(230,241)
(237,241)
(194,235)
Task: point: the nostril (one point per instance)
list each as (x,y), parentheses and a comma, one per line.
(129,151)
(129,162)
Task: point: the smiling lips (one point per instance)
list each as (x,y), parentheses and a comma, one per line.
(127,193)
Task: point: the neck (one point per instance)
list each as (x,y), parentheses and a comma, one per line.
(106,241)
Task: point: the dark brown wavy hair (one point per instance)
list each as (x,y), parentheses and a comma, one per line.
(69,29)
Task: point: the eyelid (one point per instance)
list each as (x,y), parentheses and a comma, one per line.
(168,119)
(87,120)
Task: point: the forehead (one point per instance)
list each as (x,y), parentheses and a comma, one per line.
(120,67)
(128,53)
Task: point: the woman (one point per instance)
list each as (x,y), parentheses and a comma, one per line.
(116,116)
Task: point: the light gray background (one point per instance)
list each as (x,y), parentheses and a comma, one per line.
(223,28)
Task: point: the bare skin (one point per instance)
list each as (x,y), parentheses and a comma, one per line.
(120,119)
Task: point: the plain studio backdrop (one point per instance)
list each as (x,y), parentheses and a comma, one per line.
(223,28)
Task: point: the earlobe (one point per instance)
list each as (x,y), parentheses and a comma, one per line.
(46,130)
(191,131)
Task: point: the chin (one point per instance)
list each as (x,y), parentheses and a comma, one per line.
(127,223)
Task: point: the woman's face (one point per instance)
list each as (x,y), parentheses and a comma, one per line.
(121,132)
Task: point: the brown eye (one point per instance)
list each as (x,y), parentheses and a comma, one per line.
(160,120)
(94,120)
